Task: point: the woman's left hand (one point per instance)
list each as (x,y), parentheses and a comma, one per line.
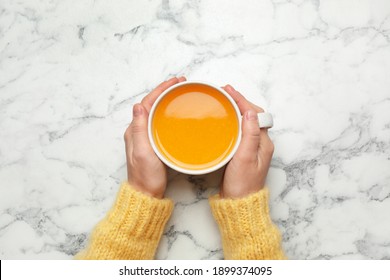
(145,172)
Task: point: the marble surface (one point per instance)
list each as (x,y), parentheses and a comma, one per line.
(70,72)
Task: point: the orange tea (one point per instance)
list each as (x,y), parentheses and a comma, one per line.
(195,126)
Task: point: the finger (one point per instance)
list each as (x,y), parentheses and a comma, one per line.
(139,128)
(182,79)
(243,104)
(266,147)
(249,146)
(148,100)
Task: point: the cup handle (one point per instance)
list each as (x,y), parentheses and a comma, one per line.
(265,120)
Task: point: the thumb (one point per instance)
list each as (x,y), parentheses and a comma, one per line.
(248,149)
(139,125)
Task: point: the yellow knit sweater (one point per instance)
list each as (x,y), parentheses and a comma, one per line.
(133,227)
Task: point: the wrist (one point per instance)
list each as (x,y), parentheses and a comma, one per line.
(155,193)
(238,192)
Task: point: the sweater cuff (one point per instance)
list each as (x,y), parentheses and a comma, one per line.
(246,227)
(132,229)
(142,215)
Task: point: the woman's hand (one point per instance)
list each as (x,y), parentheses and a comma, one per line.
(145,172)
(246,172)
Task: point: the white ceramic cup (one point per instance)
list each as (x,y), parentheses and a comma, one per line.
(265,121)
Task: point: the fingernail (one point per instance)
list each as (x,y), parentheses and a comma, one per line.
(251,115)
(229,87)
(137,110)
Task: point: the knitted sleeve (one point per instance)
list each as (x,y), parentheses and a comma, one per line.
(131,230)
(246,227)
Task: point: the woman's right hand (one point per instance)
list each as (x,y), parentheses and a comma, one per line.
(246,172)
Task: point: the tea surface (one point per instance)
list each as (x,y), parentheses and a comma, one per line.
(195,127)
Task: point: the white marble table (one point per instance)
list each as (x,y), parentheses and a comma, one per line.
(70,72)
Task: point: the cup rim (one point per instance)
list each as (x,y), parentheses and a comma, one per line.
(190,171)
